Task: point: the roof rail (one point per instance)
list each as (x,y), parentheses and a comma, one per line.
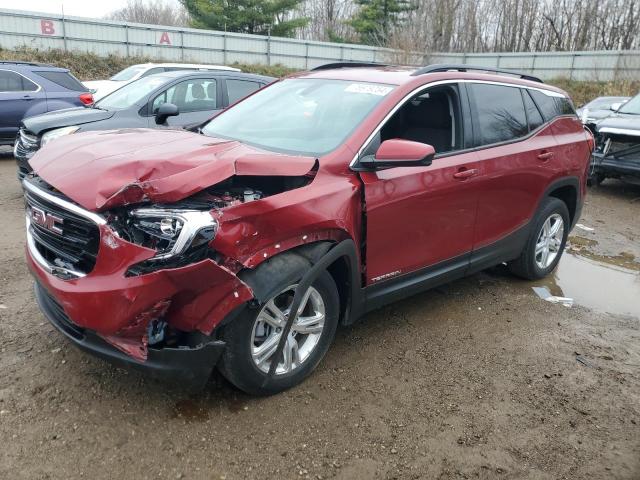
(328,66)
(444,67)
(18,62)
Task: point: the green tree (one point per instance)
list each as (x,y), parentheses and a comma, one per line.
(374,19)
(260,17)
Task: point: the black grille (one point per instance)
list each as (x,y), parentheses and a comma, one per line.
(76,247)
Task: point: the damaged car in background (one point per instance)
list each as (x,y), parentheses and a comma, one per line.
(617,153)
(319,198)
(599,108)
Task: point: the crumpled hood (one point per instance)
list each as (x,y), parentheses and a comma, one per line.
(630,124)
(105,169)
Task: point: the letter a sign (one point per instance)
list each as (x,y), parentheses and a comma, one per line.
(164,39)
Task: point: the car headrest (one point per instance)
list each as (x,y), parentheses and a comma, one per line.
(432,112)
(197,91)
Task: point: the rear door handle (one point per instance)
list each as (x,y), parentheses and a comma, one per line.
(544,156)
(465,173)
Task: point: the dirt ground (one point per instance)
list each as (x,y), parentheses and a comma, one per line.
(478,379)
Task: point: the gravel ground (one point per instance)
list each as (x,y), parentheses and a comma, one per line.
(476,379)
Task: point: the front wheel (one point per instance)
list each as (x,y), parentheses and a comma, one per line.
(546,241)
(252,339)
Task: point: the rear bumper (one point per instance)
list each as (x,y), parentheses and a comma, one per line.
(191,366)
(610,165)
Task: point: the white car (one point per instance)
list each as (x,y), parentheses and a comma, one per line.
(102,88)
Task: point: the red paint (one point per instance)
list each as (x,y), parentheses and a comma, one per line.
(398,149)
(47,27)
(164,39)
(415,216)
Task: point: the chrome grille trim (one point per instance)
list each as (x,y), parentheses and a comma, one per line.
(72,207)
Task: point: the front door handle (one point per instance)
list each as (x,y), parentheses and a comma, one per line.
(465,173)
(545,155)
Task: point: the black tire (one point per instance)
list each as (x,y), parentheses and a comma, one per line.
(525,265)
(237,364)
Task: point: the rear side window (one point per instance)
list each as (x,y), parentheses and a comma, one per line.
(551,107)
(499,113)
(237,89)
(565,107)
(12,82)
(63,79)
(533,114)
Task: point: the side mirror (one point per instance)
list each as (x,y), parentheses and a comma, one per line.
(615,106)
(399,153)
(165,111)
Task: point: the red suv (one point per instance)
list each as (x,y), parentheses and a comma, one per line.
(313,201)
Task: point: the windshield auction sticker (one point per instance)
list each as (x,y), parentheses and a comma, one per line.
(380,90)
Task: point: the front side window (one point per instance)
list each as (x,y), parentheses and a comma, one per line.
(431,117)
(12,82)
(237,89)
(305,116)
(190,96)
(499,112)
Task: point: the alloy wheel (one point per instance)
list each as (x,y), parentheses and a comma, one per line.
(302,339)
(549,241)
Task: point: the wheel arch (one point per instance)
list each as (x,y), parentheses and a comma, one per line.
(566,189)
(344,270)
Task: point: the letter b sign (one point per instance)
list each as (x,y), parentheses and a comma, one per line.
(47,27)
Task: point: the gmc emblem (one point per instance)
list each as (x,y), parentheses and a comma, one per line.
(46,220)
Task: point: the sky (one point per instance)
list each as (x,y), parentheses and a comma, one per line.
(76,8)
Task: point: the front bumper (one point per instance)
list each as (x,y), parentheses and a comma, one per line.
(191,366)
(609,165)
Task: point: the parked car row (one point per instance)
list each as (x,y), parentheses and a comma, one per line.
(242,244)
(170,99)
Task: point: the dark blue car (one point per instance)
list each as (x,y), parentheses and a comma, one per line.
(28,89)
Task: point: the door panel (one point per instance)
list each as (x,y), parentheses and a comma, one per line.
(517,164)
(419,216)
(514,178)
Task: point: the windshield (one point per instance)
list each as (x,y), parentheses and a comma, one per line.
(127,74)
(130,94)
(632,106)
(302,116)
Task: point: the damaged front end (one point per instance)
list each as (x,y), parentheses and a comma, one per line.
(142,284)
(617,152)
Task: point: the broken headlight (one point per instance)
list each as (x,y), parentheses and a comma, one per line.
(179,237)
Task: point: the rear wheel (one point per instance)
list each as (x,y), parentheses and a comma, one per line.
(546,241)
(252,338)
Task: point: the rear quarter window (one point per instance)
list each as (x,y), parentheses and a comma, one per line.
(552,106)
(64,79)
(499,113)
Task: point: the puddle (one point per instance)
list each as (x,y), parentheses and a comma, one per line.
(604,287)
